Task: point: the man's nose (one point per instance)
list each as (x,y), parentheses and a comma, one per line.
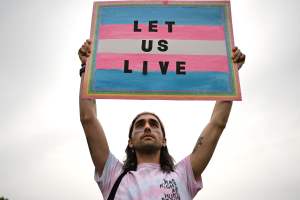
(147,127)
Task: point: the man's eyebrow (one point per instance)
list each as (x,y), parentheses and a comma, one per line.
(153,121)
(140,121)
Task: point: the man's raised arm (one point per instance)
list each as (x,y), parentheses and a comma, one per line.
(208,139)
(88,116)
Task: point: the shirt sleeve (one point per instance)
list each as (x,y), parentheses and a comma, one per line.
(112,169)
(184,169)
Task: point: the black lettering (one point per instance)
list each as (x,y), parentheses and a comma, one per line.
(163,67)
(126,67)
(149,48)
(153,26)
(170,26)
(145,67)
(180,67)
(163,45)
(136,26)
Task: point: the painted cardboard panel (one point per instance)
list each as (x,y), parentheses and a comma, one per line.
(174,50)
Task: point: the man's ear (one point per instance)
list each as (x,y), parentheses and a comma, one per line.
(130,143)
(164,142)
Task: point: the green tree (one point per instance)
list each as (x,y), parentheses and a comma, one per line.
(2,198)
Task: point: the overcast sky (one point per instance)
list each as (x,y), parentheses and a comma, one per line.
(43,151)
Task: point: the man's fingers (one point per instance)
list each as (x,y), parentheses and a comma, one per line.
(236,59)
(237,56)
(234,49)
(87,46)
(235,53)
(85,51)
(242,58)
(82,51)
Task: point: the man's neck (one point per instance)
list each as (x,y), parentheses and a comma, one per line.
(148,158)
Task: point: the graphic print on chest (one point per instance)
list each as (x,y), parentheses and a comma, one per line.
(170,190)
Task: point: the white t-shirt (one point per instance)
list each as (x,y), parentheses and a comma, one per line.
(148,182)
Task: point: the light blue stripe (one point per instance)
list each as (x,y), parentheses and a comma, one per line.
(192,82)
(183,15)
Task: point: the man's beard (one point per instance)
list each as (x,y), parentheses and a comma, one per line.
(147,148)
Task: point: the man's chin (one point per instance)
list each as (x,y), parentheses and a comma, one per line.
(148,147)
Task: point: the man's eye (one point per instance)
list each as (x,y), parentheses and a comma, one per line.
(138,125)
(154,124)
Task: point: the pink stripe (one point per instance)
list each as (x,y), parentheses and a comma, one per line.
(193,62)
(181,32)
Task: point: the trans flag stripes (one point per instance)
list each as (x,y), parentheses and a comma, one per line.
(158,51)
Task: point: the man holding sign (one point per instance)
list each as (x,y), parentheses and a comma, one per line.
(148,171)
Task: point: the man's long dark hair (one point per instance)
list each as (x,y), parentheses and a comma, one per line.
(166,160)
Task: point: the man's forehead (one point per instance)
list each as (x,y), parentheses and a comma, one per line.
(146,116)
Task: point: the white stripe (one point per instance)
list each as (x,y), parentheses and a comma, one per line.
(182,47)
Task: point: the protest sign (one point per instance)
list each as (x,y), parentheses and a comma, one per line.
(175,50)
